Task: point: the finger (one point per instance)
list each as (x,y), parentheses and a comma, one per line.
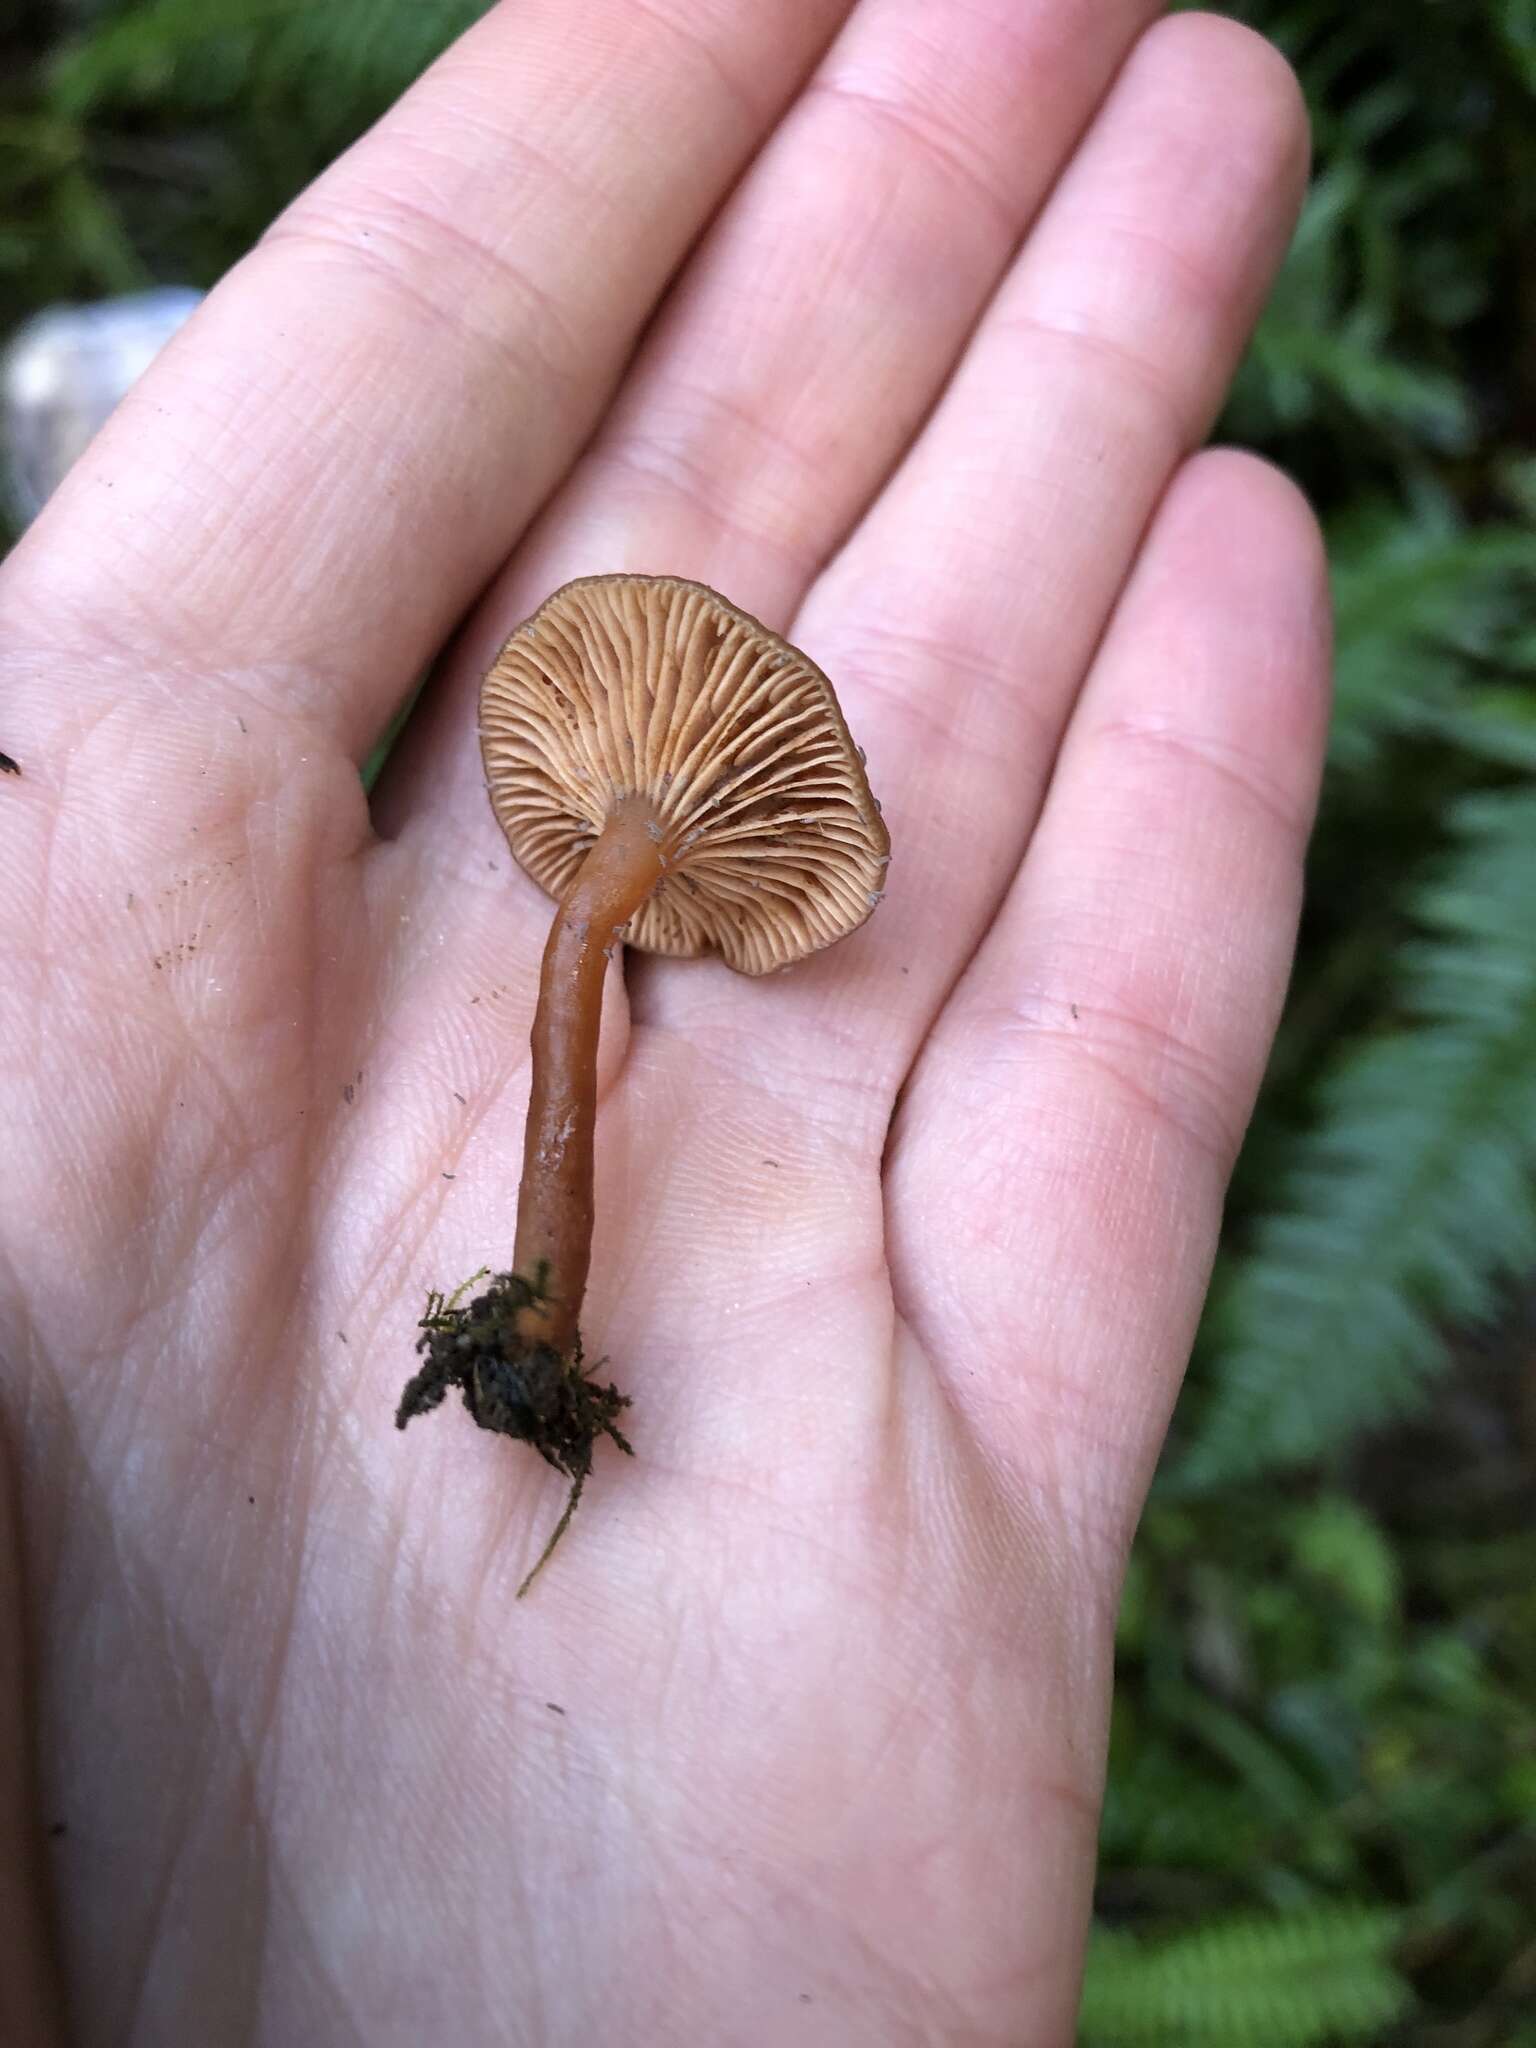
(1061,1159)
(812,331)
(960,619)
(316,477)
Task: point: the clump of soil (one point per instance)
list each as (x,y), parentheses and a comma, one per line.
(516,1387)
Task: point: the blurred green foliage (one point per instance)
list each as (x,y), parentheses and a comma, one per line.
(1321,1818)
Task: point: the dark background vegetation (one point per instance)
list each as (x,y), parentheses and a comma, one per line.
(1321,1821)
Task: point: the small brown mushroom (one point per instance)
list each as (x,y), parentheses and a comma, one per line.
(680,780)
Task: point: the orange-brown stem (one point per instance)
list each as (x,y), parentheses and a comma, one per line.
(554,1213)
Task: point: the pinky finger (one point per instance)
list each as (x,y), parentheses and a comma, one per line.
(1063,1152)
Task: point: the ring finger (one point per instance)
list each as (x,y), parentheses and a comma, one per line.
(959,620)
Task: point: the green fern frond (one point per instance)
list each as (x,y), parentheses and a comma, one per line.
(1323,344)
(1302,1981)
(1497,724)
(1414,1195)
(344,55)
(1423,605)
(1305,367)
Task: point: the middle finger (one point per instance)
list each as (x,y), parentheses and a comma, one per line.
(809,336)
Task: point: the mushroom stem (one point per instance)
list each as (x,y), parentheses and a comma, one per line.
(554,1213)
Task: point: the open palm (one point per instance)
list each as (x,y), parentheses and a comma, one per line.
(898,323)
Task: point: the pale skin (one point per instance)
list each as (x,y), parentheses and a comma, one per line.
(800,1736)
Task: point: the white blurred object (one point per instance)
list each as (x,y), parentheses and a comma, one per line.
(63,373)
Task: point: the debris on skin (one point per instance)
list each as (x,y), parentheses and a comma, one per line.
(8,766)
(174,955)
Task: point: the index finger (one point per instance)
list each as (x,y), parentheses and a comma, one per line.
(327,464)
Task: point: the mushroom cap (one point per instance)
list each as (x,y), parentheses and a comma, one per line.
(654,687)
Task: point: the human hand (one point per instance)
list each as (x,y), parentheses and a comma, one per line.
(801,1734)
